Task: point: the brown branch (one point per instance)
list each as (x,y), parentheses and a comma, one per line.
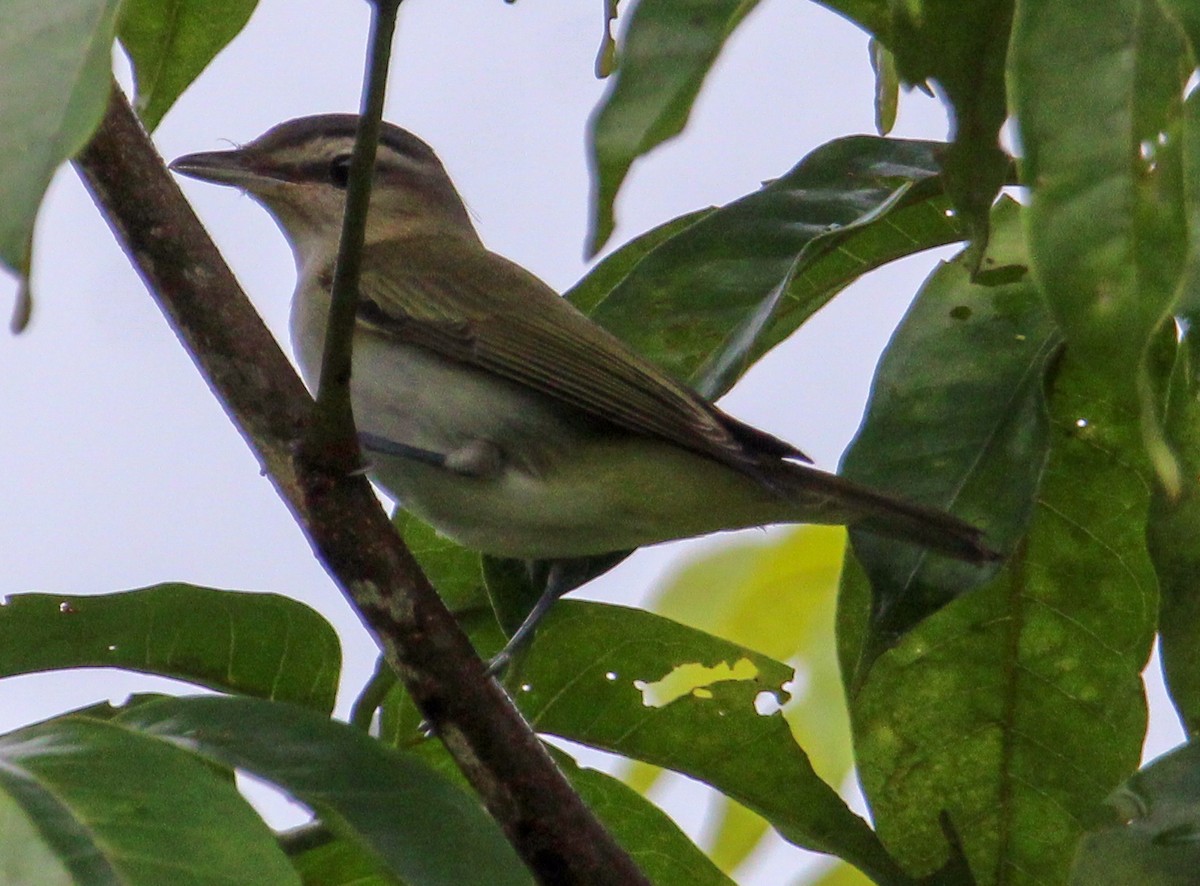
(546,821)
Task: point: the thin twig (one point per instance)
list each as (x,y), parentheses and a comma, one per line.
(330,439)
(545,820)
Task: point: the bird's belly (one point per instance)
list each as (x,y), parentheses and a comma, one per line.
(562,486)
(604,494)
(533,504)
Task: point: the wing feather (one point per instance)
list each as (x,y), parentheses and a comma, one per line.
(480,309)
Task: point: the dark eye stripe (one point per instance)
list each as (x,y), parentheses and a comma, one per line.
(328,136)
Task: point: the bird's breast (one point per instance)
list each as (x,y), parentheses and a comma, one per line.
(411,395)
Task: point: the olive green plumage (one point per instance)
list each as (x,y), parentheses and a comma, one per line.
(495,410)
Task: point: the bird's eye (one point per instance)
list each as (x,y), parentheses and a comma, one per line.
(339,171)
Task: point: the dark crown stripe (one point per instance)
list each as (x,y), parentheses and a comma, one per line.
(330,127)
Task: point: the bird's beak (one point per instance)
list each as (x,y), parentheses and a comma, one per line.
(237,168)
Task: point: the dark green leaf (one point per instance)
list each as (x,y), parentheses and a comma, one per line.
(640,685)
(233,641)
(323,859)
(118,808)
(1175,519)
(615,267)
(1154,838)
(58,60)
(427,829)
(171,41)
(1172,535)
(471,583)
(962,46)
(708,302)
(515,586)
(1098,88)
(454,571)
(961,385)
(873,16)
(1188,15)
(656,844)
(662,851)
(1018,707)
(1189,146)
(664,56)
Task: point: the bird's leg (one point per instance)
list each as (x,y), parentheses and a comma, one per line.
(372,443)
(479,458)
(557,584)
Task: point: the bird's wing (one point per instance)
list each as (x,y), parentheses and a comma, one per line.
(450,301)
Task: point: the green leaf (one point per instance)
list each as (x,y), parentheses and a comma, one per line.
(616,266)
(515,586)
(1154,838)
(323,859)
(1189,146)
(455,572)
(660,849)
(961,383)
(665,54)
(873,16)
(58,59)
(426,828)
(841,874)
(887,87)
(25,857)
(234,641)
(1017,708)
(171,41)
(116,807)
(779,599)
(1172,533)
(1187,14)
(606,55)
(709,301)
(962,46)
(1098,88)
(1175,519)
(656,844)
(635,684)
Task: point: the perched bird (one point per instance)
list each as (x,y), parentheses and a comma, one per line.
(491,408)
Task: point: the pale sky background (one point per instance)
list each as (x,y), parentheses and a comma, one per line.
(119,468)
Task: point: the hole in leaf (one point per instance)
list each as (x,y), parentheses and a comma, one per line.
(692,679)
(767,703)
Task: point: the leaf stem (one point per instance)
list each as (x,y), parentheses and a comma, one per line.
(330,439)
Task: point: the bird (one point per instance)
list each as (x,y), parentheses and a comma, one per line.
(494,410)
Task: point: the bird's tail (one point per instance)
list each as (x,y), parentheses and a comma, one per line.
(860,507)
